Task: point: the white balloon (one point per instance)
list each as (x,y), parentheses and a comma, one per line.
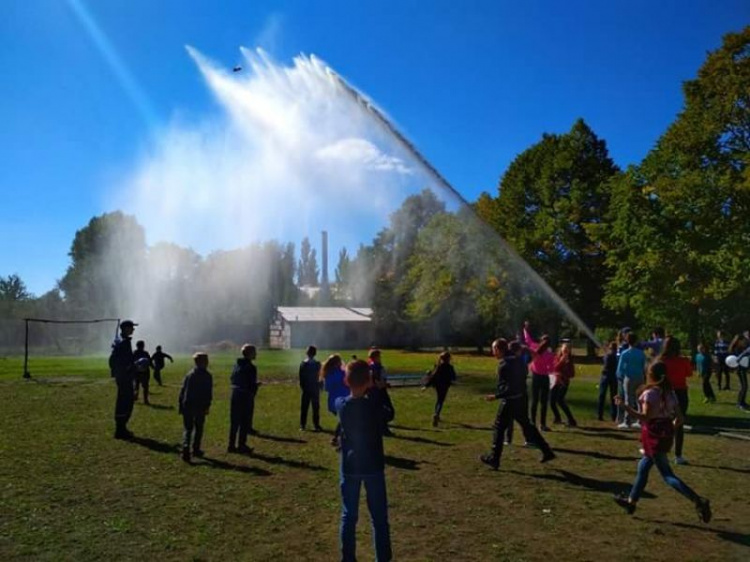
(731,361)
(745,362)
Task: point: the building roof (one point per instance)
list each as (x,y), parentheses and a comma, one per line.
(324,314)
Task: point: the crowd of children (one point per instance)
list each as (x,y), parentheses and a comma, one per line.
(649,394)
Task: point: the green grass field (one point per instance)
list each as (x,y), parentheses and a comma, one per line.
(69,491)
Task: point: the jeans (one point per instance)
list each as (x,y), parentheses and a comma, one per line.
(442,392)
(307,399)
(510,410)
(193,424)
(742,394)
(627,388)
(509,432)
(377,504)
(679,433)
(539,393)
(722,368)
(557,398)
(662,464)
(607,383)
(708,391)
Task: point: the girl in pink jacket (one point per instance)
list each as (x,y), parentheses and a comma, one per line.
(542,363)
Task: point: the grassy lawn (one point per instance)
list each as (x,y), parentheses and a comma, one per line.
(69,491)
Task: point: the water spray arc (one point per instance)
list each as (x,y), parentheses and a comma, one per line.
(407,145)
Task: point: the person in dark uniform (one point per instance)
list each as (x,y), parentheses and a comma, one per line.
(510,392)
(142,360)
(309,372)
(244,382)
(195,401)
(122,369)
(157,360)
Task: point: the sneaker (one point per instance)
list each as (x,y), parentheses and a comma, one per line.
(435,420)
(252,432)
(506,443)
(545,428)
(572,423)
(642,451)
(680,460)
(231,449)
(623,425)
(302,428)
(318,429)
(244,450)
(624,502)
(186,455)
(198,453)
(550,456)
(636,425)
(557,422)
(490,461)
(529,445)
(703,507)
(388,433)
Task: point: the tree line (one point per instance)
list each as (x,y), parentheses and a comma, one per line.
(663,242)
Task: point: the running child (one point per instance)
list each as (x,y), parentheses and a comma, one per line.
(678,371)
(563,371)
(660,414)
(157,359)
(441,378)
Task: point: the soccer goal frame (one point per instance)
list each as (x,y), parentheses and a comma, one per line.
(27,321)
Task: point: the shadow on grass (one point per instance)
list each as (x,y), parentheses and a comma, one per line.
(407,428)
(606,433)
(718,423)
(160,407)
(402,463)
(423,440)
(595,455)
(154,445)
(472,427)
(604,486)
(287,462)
(742,539)
(216,463)
(729,468)
(279,439)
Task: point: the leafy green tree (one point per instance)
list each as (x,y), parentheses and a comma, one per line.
(678,234)
(13,289)
(550,198)
(307,270)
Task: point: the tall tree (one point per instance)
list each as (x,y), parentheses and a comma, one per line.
(678,229)
(548,201)
(343,275)
(307,270)
(13,289)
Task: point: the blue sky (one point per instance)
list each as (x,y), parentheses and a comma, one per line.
(471,83)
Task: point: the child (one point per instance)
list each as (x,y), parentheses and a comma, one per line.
(379,389)
(309,372)
(563,370)
(510,382)
(541,367)
(362,421)
(608,381)
(332,377)
(721,352)
(244,383)
(142,361)
(441,377)
(158,361)
(660,414)
(678,371)
(740,348)
(631,367)
(703,366)
(195,401)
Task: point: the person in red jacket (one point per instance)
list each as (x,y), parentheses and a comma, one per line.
(563,370)
(678,370)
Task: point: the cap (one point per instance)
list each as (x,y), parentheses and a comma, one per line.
(127,323)
(625,330)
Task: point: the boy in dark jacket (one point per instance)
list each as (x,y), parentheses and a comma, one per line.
(378,390)
(142,360)
(195,401)
(441,378)
(157,360)
(309,374)
(244,381)
(608,382)
(510,391)
(362,462)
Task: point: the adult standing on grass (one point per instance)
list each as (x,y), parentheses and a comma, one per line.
(122,368)
(541,366)
(660,414)
(309,373)
(741,349)
(362,462)
(244,384)
(510,382)
(441,378)
(631,368)
(678,371)
(608,382)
